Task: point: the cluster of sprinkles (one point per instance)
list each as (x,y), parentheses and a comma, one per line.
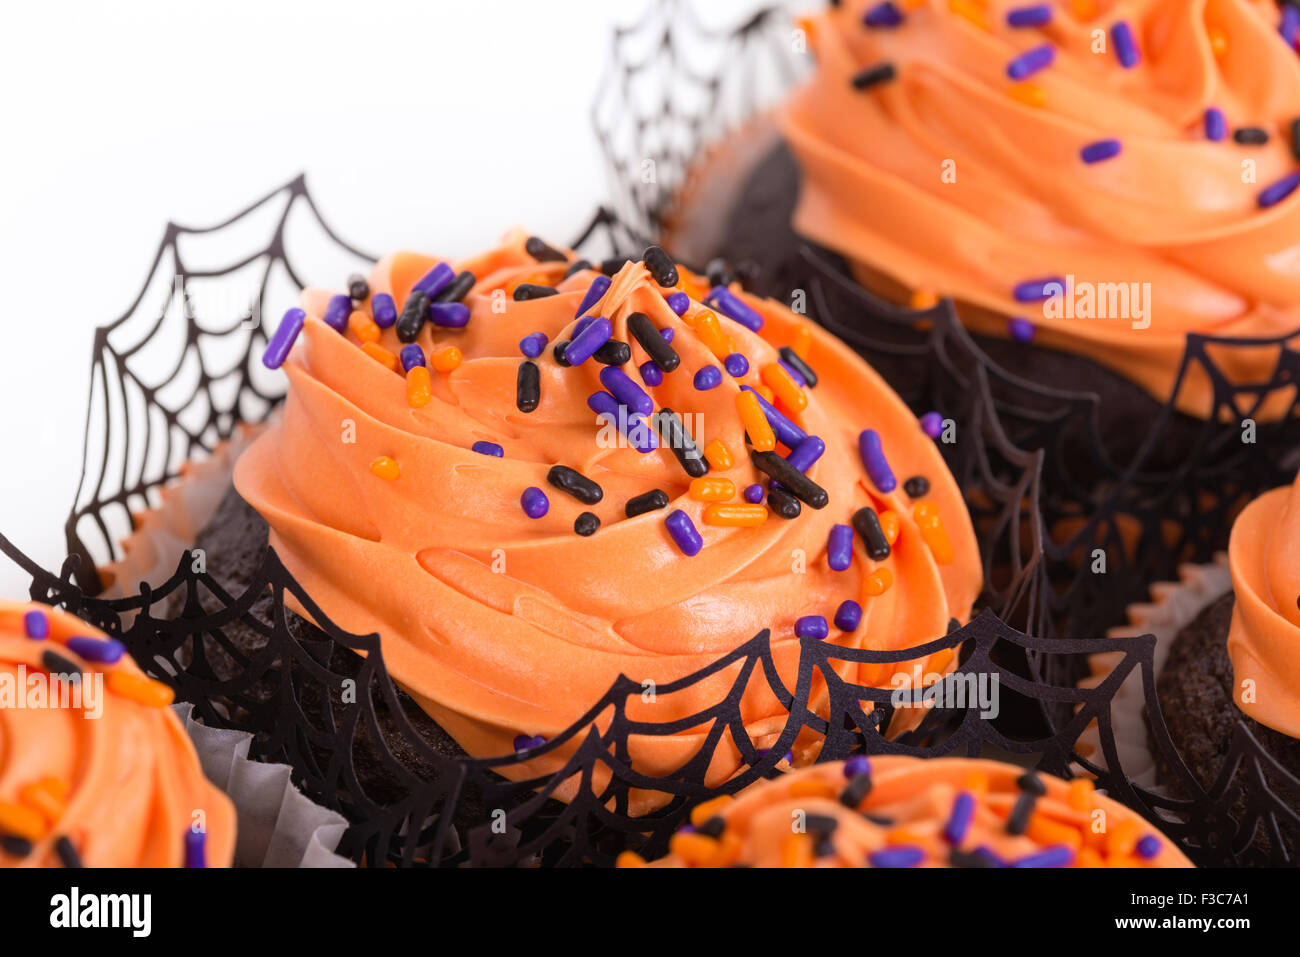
(41,803)
(1064,835)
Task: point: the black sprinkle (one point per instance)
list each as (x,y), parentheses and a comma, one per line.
(56,664)
(822,824)
(577,266)
(576,484)
(880,820)
(867,524)
(528,386)
(67,853)
(1031,783)
(1295,138)
(613,353)
(558,352)
(414,313)
(586,524)
(650,501)
(959,858)
(15,845)
(670,427)
(824,847)
(801,486)
(661,266)
(719,273)
(612,265)
(358,288)
(856,791)
(542,251)
(458,288)
(795,362)
(652,341)
(1019,819)
(713,827)
(527,290)
(916,486)
(783,503)
(1250,135)
(873,76)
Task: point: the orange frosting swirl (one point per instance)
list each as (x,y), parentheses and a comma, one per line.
(111,775)
(915,815)
(1264,638)
(501,625)
(954,180)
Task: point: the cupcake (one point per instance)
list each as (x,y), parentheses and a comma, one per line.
(95,769)
(531,476)
(892,811)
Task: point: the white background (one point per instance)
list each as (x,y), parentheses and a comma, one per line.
(431,125)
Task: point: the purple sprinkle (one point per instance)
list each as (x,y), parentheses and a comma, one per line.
(753,494)
(1035,16)
(900,855)
(36,625)
(1290,25)
(1279,191)
(667,334)
(449,315)
(726,302)
(196,843)
(682,529)
(963,812)
(1100,150)
(1125,46)
(585,343)
(1020,329)
(1031,61)
(1039,290)
(651,374)
(1148,847)
(932,424)
(524,742)
(337,312)
(736,365)
(678,302)
(534,502)
(839,549)
(882,16)
(631,424)
(989,855)
(621,386)
(384,309)
(488,448)
(874,461)
(602,403)
(803,455)
(858,764)
(532,344)
(786,431)
(107,651)
(595,291)
(848,615)
(811,626)
(1216,124)
(436,280)
(794,373)
(411,356)
(710,377)
(1058,855)
(281,341)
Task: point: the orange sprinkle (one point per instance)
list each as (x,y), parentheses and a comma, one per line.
(718,455)
(629,859)
(796,851)
(977,782)
(901,835)
(1218,41)
(707,489)
(802,342)
(1079,795)
(923,299)
(1083,9)
(1121,839)
(380,355)
(735,516)
(1046,831)
(879,582)
(755,422)
(1087,857)
(765,392)
(786,389)
(710,332)
(1030,94)
(813,787)
(141,690)
(446,360)
(889,525)
(969,11)
(363,327)
(45,797)
(21,821)
(694,849)
(933,532)
(385,468)
(710,808)
(417,386)
(57,788)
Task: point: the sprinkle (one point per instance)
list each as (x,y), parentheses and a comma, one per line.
(383,309)
(848,615)
(1031,62)
(712,489)
(533,344)
(889,524)
(435,280)
(718,455)
(730,305)
(1038,290)
(874,461)
(1216,124)
(524,742)
(577,266)
(141,690)
(783,385)
(576,484)
(488,448)
(959,858)
(585,343)
(969,10)
(15,846)
(528,386)
(1125,45)
(753,494)
(540,250)
(867,524)
(67,853)
(811,626)
(709,331)
(1218,41)
(613,264)
(736,365)
(679,442)
(196,848)
(449,315)
(1100,151)
(1057,856)
(358,288)
(1148,847)
(802,487)
(682,529)
(363,327)
(882,16)
(917,486)
(446,360)
(650,501)
(760,433)
(21,821)
(786,431)
(933,532)
(678,302)
(792,373)
(857,765)
(873,76)
(651,374)
(1020,329)
(1079,795)
(963,812)
(36,625)
(336,313)
(626,391)
(1250,135)
(806,453)
(412,356)
(802,343)
(586,524)
(631,424)
(1290,25)
(1272,195)
(56,664)
(599,286)
(417,386)
(879,582)
(1030,94)
(735,516)
(534,502)
(900,855)
(796,362)
(661,266)
(839,547)
(282,340)
(1035,16)
(528,290)
(380,355)
(414,314)
(613,353)
(106,651)
(655,345)
(386,468)
(458,289)
(932,424)
(783,503)
(1295,138)
(1031,783)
